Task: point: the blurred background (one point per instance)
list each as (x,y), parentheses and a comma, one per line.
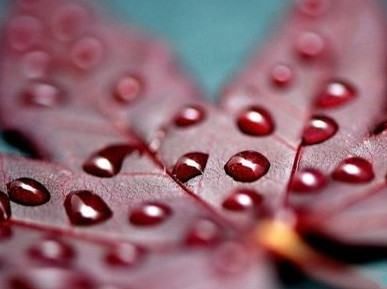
(213,39)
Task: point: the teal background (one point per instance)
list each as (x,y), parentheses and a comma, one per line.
(213,38)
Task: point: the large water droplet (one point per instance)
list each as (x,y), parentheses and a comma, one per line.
(150,214)
(255,121)
(203,232)
(354,170)
(247,166)
(242,200)
(52,251)
(319,129)
(336,93)
(128,89)
(310,45)
(308,180)
(124,255)
(189,115)
(107,162)
(27,192)
(84,208)
(281,75)
(42,94)
(87,53)
(189,166)
(5,207)
(24,32)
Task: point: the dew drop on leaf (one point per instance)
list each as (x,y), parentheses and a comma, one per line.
(85,208)
(242,200)
(310,45)
(247,166)
(149,214)
(308,180)
(42,94)
(336,93)
(69,21)
(27,192)
(24,32)
(124,255)
(281,75)
(255,121)
(189,115)
(87,53)
(190,165)
(203,232)
(128,89)
(354,170)
(319,129)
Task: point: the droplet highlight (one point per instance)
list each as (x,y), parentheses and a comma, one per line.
(128,89)
(281,75)
(247,166)
(189,166)
(308,180)
(255,121)
(85,208)
(189,116)
(27,192)
(42,94)
(354,170)
(242,200)
(310,45)
(203,232)
(150,214)
(52,251)
(125,255)
(336,93)
(319,129)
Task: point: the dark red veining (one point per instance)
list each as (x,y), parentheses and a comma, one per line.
(242,200)
(255,121)
(107,162)
(189,115)
(150,214)
(247,166)
(190,165)
(308,180)
(5,207)
(319,129)
(85,208)
(27,192)
(354,170)
(336,93)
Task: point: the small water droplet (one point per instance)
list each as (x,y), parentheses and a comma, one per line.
(24,32)
(87,53)
(281,75)
(255,121)
(42,94)
(354,170)
(308,180)
(242,200)
(124,255)
(313,7)
(52,251)
(380,128)
(107,162)
(35,64)
(27,192)
(247,166)
(203,232)
(128,89)
(336,93)
(190,165)
(319,129)
(310,45)
(69,21)
(150,214)
(189,115)
(85,208)
(5,207)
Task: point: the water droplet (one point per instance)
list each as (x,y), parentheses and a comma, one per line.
(313,7)
(204,232)
(189,166)
(27,192)
(380,128)
(84,208)
(52,251)
(87,53)
(354,170)
(42,94)
(35,64)
(69,21)
(5,208)
(247,166)
(189,115)
(255,121)
(150,214)
(24,32)
(242,200)
(336,93)
(107,162)
(128,89)
(310,45)
(124,255)
(308,180)
(281,75)
(319,129)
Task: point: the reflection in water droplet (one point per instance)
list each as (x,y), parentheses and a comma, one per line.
(27,192)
